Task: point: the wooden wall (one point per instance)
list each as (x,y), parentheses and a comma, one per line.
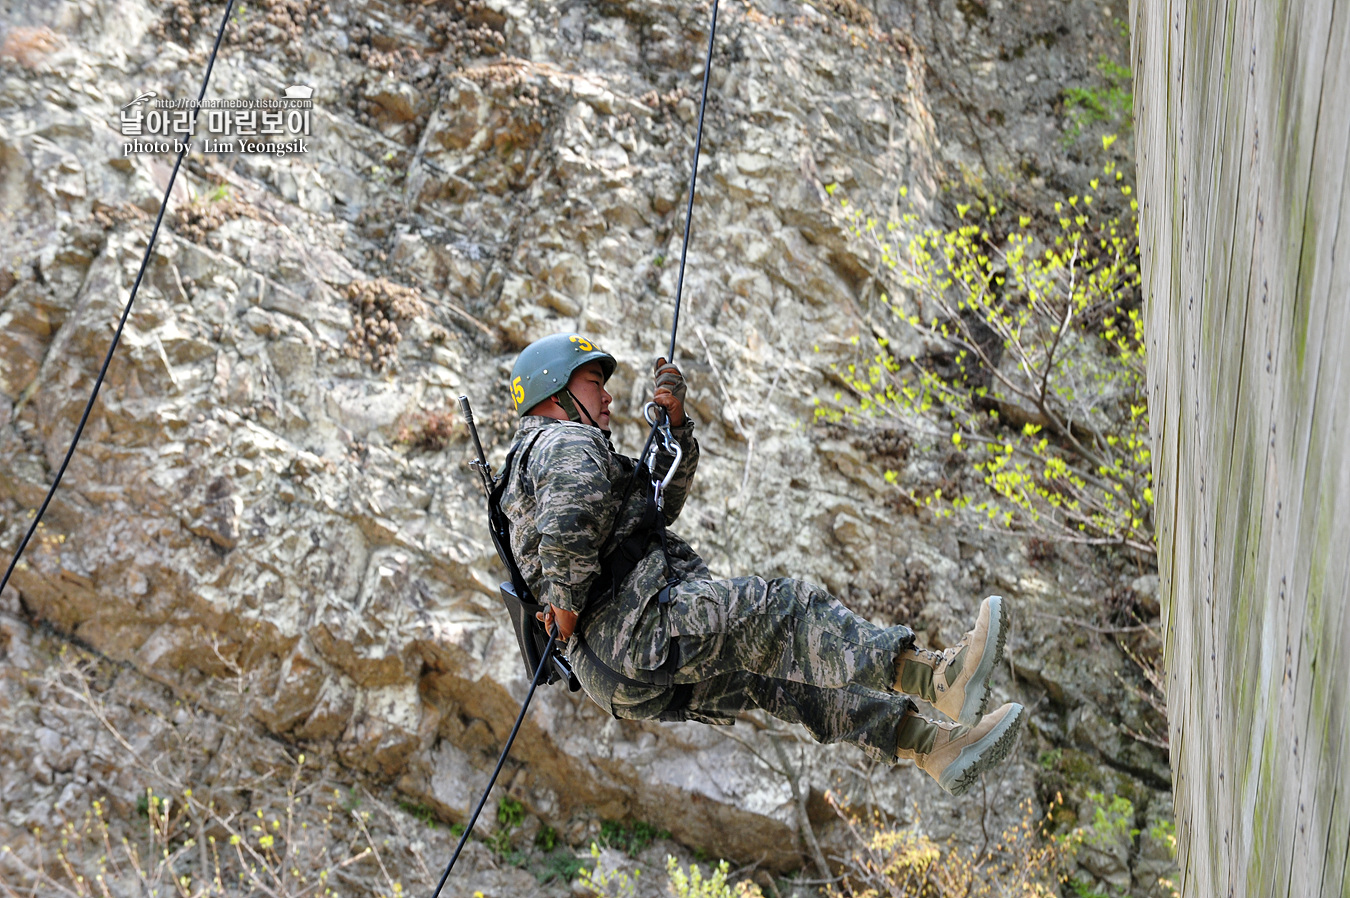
(1243,126)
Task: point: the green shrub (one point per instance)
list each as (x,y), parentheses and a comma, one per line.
(1031,374)
(630,837)
(691,884)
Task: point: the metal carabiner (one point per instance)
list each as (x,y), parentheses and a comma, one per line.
(667,443)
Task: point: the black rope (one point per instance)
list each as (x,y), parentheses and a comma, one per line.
(693,178)
(126,312)
(525,705)
(684,253)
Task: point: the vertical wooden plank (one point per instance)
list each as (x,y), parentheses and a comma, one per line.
(1322,717)
(1242,138)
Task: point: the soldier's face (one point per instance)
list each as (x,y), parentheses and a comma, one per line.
(588,385)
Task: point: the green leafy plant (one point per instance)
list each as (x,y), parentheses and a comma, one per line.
(1112,822)
(546,839)
(563,865)
(1112,101)
(1030,366)
(421,812)
(691,884)
(607,883)
(631,837)
(1110,830)
(1165,832)
(510,814)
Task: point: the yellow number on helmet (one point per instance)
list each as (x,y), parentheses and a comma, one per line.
(582,342)
(517,392)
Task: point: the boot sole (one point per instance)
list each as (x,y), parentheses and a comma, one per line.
(977,696)
(979,756)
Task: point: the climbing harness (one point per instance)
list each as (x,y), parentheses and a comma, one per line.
(126,312)
(538,649)
(615,565)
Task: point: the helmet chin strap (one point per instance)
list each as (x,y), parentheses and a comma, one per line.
(571,404)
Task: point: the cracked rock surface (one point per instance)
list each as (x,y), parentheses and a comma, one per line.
(271,515)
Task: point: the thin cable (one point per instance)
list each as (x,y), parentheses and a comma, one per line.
(679,283)
(543,662)
(693,178)
(126,312)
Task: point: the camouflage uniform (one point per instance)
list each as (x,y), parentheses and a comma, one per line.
(783,645)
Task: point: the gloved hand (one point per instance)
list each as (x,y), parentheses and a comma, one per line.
(670,391)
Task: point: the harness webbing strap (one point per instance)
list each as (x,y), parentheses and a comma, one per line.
(663,677)
(615,567)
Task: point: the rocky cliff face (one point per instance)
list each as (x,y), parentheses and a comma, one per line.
(271,513)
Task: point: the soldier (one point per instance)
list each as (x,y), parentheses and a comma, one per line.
(650,632)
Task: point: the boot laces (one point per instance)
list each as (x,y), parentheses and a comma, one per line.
(950,732)
(940,659)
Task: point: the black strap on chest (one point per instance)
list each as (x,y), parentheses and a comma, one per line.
(623,559)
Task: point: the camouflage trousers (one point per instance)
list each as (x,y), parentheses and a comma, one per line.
(785,646)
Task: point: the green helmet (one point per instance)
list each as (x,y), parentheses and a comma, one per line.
(544,367)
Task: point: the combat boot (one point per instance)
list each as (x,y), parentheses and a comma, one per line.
(956,680)
(956,755)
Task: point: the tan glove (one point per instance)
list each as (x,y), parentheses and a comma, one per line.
(669,391)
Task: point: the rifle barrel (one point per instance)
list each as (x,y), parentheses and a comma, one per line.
(483,467)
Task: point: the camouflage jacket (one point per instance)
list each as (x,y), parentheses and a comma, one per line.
(562,503)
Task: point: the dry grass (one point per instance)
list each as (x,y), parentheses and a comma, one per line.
(378,307)
(429,431)
(883,860)
(221,810)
